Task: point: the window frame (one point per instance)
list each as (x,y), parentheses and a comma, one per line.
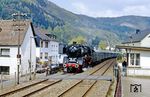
(46,44)
(1,55)
(41,55)
(134,60)
(42,43)
(46,55)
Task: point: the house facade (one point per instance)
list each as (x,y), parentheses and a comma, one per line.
(48,48)
(12,37)
(138,53)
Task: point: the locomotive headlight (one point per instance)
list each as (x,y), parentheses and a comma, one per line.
(64,65)
(76,66)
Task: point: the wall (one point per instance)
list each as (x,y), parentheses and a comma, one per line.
(44,50)
(25,49)
(54,50)
(38,52)
(145,59)
(146,41)
(138,72)
(144,68)
(10,61)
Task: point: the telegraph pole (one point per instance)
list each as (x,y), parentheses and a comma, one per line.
(17,18)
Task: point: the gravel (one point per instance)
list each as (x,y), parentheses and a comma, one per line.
(57,89)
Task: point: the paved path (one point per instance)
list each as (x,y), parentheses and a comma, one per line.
(145,87)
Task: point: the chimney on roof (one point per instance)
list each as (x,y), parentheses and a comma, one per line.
(138,31)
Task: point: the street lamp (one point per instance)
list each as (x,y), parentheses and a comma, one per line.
(17,17)
(30,62)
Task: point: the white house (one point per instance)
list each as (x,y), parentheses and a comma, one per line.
(12,34)
(138,53)
(48,48)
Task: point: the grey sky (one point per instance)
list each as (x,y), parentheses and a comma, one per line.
(106,8)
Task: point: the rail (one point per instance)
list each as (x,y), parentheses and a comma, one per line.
(21,88)
(81,81)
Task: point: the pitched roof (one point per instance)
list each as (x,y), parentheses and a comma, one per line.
(137,37)
(44,35)
(9,32)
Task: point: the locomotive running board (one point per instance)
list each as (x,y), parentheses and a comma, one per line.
(83,77)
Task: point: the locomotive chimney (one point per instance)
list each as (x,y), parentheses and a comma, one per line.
(74,42)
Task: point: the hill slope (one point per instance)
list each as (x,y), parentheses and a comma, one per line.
(67,25)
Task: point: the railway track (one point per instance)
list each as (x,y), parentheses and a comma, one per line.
(27,90)
(17,89)
(84,86)
(63,88)
(101,88)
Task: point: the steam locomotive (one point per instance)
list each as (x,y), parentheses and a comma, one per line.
(80,56)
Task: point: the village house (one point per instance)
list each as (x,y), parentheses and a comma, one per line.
(137,49)
(14,34)
(47,49)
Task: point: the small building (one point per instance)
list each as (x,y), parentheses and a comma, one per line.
(137,49)
(48,48)
(14,34)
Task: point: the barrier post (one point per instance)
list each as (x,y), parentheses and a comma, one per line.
(1,80)
(15,79)
(116,70)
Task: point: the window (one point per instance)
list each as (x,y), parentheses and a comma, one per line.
(59,56)
(41,43)
(5,52)
(137,62)
(4,69)
(135,59)
(41,55)
(46,44)
(46,55)
(132,59)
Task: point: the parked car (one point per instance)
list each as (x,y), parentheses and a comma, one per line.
(54,68)
(40,70)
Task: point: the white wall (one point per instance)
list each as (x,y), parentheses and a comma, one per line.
(54,50)
(38,52)
(144,68)
(138,71)
(44,50)
(146,41)
(145,59)
(25,48)
(10,61)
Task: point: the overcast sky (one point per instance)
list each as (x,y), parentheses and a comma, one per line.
(106,8)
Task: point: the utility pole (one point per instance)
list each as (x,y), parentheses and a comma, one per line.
(30,62)
(17,19)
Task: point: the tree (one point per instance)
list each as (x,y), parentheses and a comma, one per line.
(102,45)
(78,39)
